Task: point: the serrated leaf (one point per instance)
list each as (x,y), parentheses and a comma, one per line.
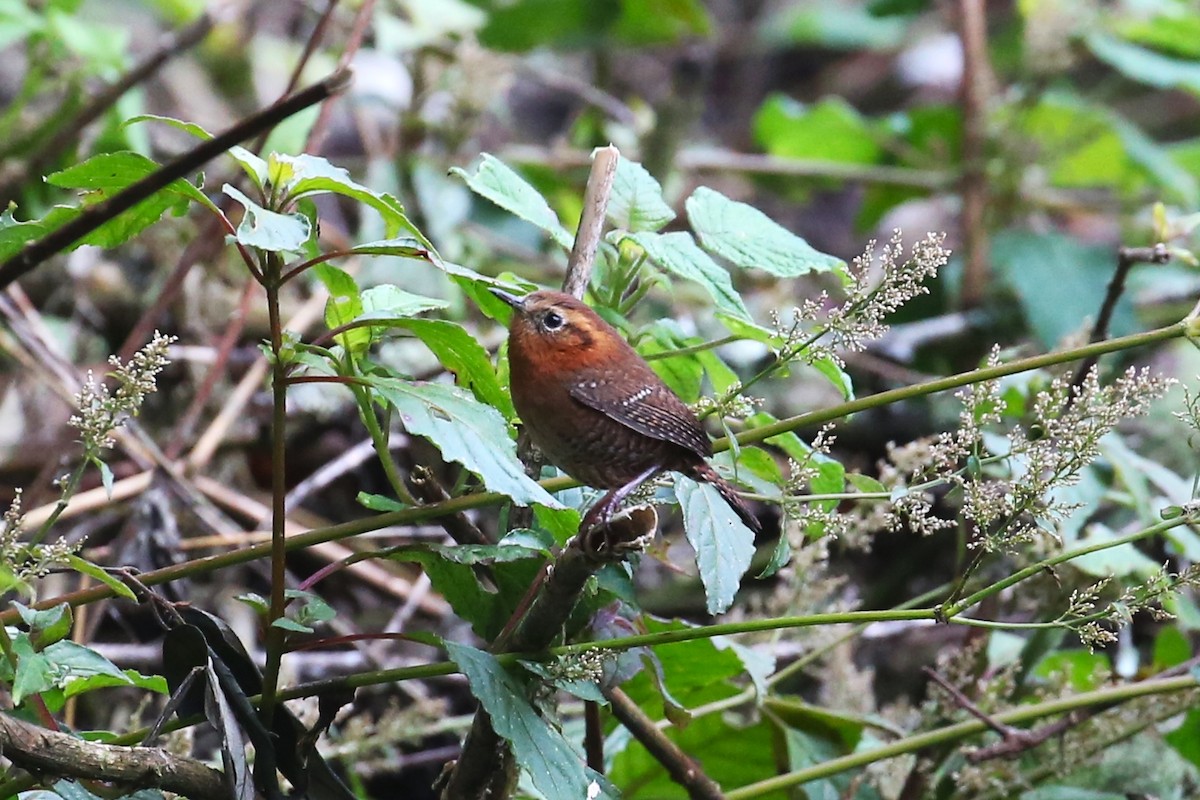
(459,352)
(470,554)
(104,175)
(723,543)
(636,202)
(747,237)
(86,567)
(268,230)
(465,430)
(496,181)
(555,767)
(678,254)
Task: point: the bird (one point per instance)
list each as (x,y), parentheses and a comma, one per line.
(596,409)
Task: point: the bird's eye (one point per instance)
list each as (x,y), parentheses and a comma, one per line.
(553,321)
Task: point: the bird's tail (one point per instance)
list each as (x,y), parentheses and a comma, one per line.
(704,472)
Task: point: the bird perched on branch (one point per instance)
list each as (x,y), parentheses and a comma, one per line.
(594,407)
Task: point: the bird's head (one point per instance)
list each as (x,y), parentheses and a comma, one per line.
(547,323)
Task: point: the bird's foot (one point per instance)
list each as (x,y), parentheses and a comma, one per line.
(628,531)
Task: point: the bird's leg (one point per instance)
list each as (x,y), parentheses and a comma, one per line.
(600,513)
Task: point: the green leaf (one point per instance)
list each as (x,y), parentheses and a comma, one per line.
(732,755)
(104,175)
(18,21)
(106,476)
(1173,29)
(723,543)
(388,302)
(834,373)
(496,181)
(683,373)
(465,430)
(1081,668)
(865,483)
(308,175)
(1145,66)
(526,24)
(678,254)
(1119,561)
(345,305)
(458,351)
(34,673)
(85,567)
(268,230)
(1059,282)
(1171,647)
(1186,738)
(636,203)
(651,22)
(48,625)
(311,609)
(290,625)
(555,767)
(471,554)
(379,502)
(403,247)
(831,130)
(749,238)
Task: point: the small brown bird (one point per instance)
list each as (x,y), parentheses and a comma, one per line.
(594,407)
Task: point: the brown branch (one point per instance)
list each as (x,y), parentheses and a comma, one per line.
(40,750)
(92,217)
(972,21)
(682,768)
(427,489)
(591,222)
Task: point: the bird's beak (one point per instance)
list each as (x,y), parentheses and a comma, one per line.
(516,302)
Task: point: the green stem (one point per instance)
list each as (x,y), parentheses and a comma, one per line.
(275,636)
(68,491)
(366,412)
(695,348)
(954,609)
(812,418)
(959,731)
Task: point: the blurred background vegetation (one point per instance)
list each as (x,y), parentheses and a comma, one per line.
(1040,135)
